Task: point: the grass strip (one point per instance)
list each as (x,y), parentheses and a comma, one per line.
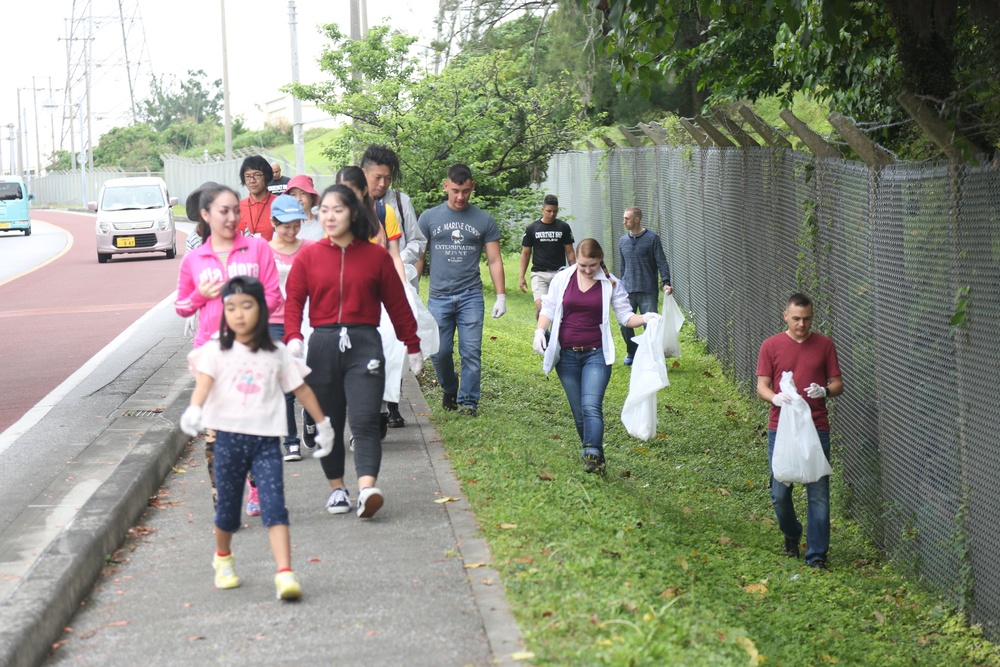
(673,557)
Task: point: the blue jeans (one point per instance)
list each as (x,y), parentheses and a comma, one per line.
(465,312)
(237,454)
(641,302)
(584,377)
(277,332)
(818,512)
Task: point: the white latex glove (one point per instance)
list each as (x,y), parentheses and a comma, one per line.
(650,317)
(416,362)
(324,438)
(540,343)
(815,391)
(781,399)
(191,420)
(500,307)
(295,348)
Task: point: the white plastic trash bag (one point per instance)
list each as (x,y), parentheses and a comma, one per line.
(673,320)
(649,375)
(395,358)
(798,455)
(427,326)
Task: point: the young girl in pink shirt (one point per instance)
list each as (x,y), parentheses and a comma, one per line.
(241,378)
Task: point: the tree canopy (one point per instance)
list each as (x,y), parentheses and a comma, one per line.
(858,55)
(481,109)
(173,101)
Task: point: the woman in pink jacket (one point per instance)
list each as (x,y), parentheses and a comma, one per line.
(223,255)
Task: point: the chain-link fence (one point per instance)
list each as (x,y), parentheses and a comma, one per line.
(903,264)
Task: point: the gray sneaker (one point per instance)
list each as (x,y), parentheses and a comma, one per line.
(339,502)
(293,453)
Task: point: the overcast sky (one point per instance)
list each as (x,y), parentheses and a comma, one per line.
(179,35)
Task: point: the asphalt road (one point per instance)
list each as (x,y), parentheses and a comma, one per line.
(78,337)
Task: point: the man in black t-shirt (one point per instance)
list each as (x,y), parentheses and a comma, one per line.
(552,243)
(279,183)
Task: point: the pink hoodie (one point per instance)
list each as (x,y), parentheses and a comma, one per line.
(249,257)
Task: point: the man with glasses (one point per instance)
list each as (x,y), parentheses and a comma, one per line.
(255,210)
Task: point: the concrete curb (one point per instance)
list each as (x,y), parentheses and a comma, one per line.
(488,593)
(34,615)
(47,597)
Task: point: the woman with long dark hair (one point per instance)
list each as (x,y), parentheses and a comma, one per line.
(346,280)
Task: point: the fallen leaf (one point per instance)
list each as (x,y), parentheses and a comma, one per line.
(545,476)
(747,645)
(708,374)
(195,638)
(725,541)
(507,526)
(670,592)
(626,473)
(118,624)
(472,566)
(759,589)
(676,364)
(314,560)
(446,499)
(522,655)
(179,471)
(487,581)
(371,633)
(880,617)
(686,510)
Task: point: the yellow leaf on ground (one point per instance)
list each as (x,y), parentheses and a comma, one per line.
(747,645)
(759,589)
(471,566)
(446,499)
(522,655)
(507,526)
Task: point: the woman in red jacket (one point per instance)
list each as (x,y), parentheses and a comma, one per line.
(346,280)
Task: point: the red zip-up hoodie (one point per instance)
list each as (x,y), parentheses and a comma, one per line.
(347,286)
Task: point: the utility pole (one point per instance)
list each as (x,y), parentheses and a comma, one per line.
(297,136)
(20,148)
(128,68)
(69,91)
(38,145)
(226,120)
(52,125)
(90,65)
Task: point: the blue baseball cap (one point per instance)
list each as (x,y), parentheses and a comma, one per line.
(286,208)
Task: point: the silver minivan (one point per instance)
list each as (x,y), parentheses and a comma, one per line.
(134,215)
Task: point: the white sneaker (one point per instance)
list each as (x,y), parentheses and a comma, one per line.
(339,502)
(369,501)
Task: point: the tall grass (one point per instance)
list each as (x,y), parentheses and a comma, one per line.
(673,557)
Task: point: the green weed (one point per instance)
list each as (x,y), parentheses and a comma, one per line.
(673,557)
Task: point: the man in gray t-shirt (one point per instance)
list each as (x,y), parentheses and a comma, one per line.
(457,233)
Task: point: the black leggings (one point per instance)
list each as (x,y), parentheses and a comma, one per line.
(349,383)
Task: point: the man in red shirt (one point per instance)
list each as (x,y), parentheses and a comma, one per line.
(255,210)
(812,358)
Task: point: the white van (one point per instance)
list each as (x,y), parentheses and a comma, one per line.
(134,215)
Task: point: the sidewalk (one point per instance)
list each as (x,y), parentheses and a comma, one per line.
(392,590)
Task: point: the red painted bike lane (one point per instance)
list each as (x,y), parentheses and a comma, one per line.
(57,317)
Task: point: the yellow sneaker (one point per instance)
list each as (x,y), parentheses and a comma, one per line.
(225,572)
(288,586)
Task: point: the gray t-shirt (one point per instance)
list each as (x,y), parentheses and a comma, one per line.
(455,242)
